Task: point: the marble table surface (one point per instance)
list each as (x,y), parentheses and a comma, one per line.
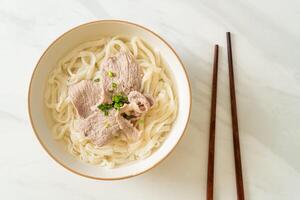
(266,41)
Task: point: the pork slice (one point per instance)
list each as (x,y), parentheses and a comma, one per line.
(84,95)
(138,104)
(120,74)
(100,128)
(127,128)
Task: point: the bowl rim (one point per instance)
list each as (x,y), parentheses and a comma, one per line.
(105,21)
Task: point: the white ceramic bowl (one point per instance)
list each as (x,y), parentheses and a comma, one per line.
(68,41)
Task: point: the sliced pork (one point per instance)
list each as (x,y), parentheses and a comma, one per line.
(138,104)
(84,95)
(120,74)
(99,128)
(108,108)
(127,128)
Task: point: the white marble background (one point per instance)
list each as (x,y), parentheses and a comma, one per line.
(266,45)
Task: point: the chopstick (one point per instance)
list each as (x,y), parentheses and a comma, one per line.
(235,129)
(211,148)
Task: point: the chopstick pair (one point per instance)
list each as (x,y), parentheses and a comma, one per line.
(235,130)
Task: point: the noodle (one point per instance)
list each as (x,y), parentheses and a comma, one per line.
(83,63)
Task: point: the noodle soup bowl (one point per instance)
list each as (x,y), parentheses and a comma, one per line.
(57,149)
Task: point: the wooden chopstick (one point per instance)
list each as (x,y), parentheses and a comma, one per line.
(211,148)
(235,128)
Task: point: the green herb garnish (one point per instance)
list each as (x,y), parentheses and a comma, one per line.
(105,107)
(111,74)
(117,106)
(114,85)
(119,98)
(97,80)
(117,102)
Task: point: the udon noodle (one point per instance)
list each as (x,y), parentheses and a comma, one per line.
(83,63)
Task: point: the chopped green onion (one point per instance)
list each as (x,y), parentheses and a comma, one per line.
(116,98)
(118,105)
(117,102)
(111,74)
(161,79)
(97,80)
(119,98)
(104,107)
(114,85)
